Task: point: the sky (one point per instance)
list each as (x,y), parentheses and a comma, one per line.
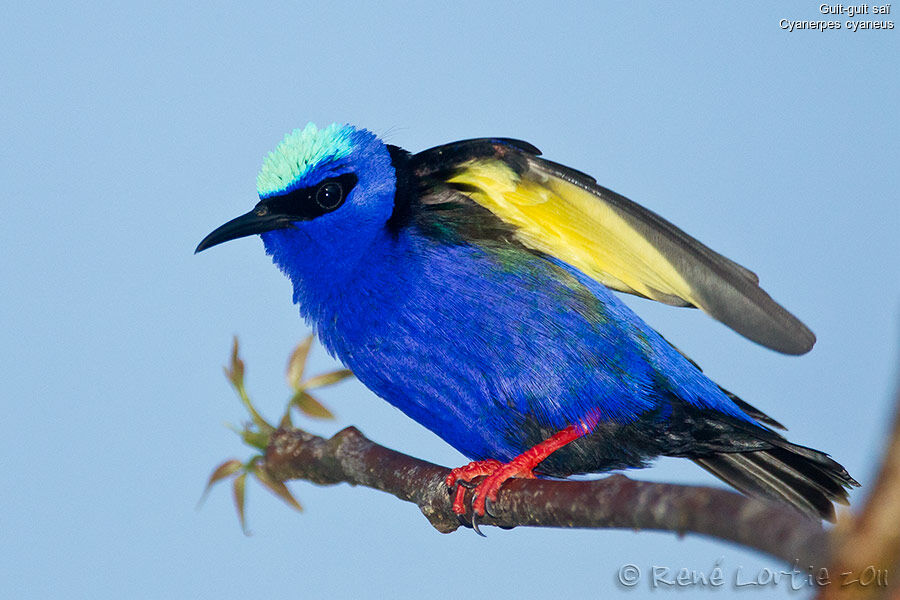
(129,133)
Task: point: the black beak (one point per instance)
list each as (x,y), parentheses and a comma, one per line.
(258,220)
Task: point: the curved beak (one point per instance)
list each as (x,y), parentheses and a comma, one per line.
(258,220)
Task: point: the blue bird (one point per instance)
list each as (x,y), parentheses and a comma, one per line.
(469,285)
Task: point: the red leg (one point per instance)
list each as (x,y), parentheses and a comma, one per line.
(521,466)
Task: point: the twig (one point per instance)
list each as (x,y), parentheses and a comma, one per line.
(613,502)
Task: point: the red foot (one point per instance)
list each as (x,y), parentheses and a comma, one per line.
(468,473)
(497,472)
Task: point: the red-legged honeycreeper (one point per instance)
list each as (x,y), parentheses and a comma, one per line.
(469,285)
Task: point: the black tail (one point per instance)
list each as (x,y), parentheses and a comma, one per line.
(805,478)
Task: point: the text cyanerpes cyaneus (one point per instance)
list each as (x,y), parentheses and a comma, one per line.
(471,285)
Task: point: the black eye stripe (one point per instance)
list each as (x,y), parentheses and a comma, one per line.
(315,201)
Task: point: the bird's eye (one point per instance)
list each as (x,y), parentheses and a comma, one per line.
(329,195)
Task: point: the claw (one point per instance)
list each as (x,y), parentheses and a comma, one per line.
(461,519)
(459,498)
(489,507)
(475,523)
(459,483)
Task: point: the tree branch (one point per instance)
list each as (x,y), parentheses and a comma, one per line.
(854,558)
(867,544)
(613,502)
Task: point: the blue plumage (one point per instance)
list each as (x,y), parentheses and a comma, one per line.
(438,308)
(467,341)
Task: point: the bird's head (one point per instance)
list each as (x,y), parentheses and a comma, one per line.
(324,195)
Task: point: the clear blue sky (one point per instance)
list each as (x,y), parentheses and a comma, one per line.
(128,134)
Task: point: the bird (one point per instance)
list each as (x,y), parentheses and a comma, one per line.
(473,285)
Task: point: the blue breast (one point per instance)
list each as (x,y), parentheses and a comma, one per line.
(472,342)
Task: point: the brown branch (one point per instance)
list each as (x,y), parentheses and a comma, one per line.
(613,502)
(867,545)
(858,559)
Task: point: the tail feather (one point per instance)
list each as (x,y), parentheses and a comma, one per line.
(753,411)
(807,479)
(826,474)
